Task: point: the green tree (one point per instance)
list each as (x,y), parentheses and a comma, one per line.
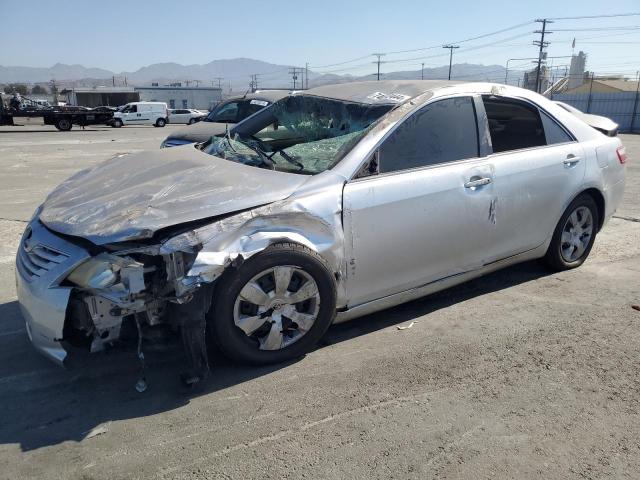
(20,88)
(39,90)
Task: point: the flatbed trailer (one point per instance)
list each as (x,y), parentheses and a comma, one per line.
(63,118)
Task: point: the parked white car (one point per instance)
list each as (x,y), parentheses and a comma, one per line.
(141,113)
(187,116)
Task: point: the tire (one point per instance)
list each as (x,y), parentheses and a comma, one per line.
(63,124)
(253,348)
(117,123)
(161,122)
(560,255)
(191,121)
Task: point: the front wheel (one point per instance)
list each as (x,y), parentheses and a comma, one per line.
(274,307)
(192,121)
(161,122)
(574,235)
(117,123)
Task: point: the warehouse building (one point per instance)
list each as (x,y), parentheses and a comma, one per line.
(177,96)
(98,96)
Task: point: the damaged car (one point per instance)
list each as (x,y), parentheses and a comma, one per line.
(329,204)
(225,116)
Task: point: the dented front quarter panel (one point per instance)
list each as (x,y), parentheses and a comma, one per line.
(311,217)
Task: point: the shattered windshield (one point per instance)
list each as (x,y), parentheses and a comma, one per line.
(298,134)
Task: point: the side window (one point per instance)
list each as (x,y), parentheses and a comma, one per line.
(254,106)
(172,103)
(133,109)
(443,131)
(185,104)
(513,124)
(227,113)
(554,132)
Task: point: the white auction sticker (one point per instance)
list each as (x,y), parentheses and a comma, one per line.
(394,97)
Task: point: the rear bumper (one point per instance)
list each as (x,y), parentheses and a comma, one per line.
(43,301)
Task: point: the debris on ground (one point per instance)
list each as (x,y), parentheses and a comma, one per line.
(636,307)
(405,327)
(99,430)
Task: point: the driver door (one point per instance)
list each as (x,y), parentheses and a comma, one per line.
(424,215)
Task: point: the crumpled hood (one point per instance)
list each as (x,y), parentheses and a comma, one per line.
(200,131)
(133,196)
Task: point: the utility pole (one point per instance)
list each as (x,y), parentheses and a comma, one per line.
(293,71)
(253,84)
(635,103)
(379,55)
(451,48)
(422,72)
(542,44)
(219,79)
(306,74)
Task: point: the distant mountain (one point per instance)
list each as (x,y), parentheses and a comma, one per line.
(59,71)
(235,73)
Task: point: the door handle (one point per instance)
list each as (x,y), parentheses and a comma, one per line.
(477,182)
(571,161)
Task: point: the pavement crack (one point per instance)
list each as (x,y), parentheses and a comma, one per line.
(628,219)
(13,220)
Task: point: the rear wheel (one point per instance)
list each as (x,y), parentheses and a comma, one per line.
(574,235)
(63,124)
(161,122)
(274,307)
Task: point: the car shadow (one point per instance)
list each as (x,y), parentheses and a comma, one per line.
(53,129)
(45,405)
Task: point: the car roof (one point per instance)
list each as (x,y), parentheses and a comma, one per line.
(268,95)
(390,92)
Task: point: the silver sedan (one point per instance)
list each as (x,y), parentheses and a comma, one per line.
(330,204)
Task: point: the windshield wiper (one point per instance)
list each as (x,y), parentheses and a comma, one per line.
(288,158)
(266,159)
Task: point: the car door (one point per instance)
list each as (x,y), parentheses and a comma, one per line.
(177,116)
(133,116)
(538,168)
(144,114)
(424,215)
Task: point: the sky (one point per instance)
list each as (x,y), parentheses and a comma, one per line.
(126,35)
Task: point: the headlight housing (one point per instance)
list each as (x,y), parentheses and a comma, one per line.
(95,273)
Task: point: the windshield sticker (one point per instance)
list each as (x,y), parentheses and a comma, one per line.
(262,103)
(394,97)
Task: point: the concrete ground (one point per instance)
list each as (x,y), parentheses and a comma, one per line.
(520,374)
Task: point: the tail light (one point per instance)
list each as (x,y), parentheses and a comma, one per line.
(622,154)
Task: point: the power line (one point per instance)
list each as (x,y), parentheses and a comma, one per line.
(497,32)
(596,29)
(341,63)
(597,16)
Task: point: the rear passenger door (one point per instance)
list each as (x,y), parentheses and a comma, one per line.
(538,166)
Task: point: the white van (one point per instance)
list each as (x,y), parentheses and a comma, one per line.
(141,113)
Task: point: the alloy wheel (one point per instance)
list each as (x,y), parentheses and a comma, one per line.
(576,234)
(277,307)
